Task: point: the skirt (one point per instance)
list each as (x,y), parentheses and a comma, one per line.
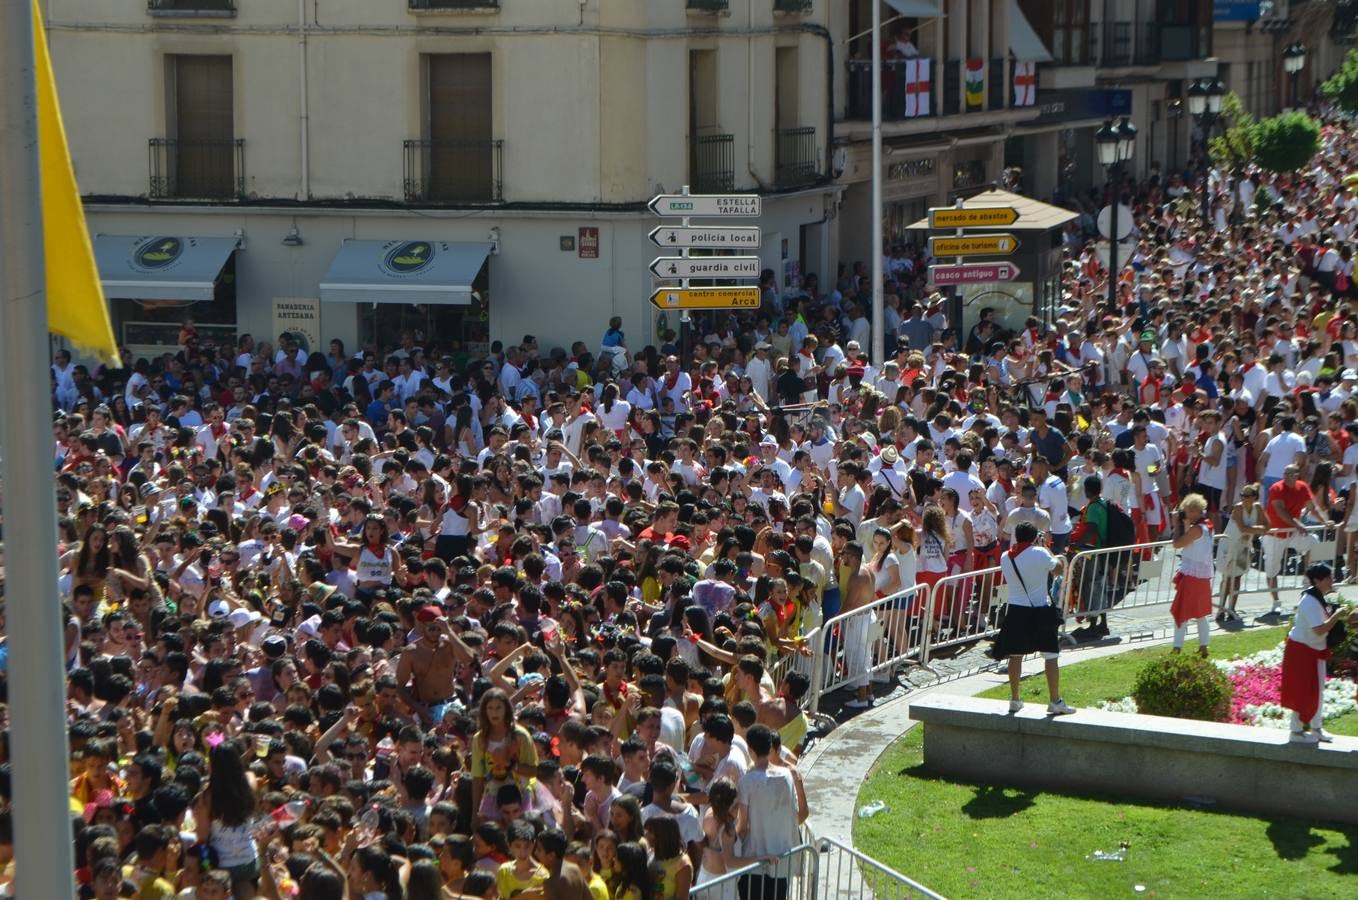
(1192,598)
(1233,556)
(724,891)
(1027,629)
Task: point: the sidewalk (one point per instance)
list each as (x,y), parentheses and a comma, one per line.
(836,764)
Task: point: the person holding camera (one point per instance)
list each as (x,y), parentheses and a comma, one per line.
(1318,626)
(1031,621)
(1193,580)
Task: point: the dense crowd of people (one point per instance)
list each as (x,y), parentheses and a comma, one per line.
(539,623)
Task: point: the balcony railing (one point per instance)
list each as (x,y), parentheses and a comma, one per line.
(1180,43)
(434,5)
(191,7)
(712,163)
(197,170)
(953,100)
(1149,43)
(900,98)
(709,6)
(792,7)
(454,171)
(796,163)
(1117,43)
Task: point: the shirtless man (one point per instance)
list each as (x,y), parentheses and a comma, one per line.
(431,663)
(564,881)
(858,593)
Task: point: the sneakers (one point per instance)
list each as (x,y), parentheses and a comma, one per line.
(1323,736)
(855,703)
(1059,707)
(1305,737)
(1015,705)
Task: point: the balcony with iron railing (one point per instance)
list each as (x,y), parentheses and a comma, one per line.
(197,170)
(1148,43)
(712,163)
(796,159)
(900,98)
(997,84)
(452,5)
(710,7)
(211,8)
(454,172)
(792,7)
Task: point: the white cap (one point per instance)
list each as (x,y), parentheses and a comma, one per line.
(240,618)
(1348,375)
(769,441)
(218,609)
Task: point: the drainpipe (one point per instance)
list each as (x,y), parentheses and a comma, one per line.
(304,125)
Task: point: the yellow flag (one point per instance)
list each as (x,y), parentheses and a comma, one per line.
(75,298)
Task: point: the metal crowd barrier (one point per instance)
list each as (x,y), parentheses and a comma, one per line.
(798,869)
(1142,575)
(869,640)
(828,870)
(846,874)
(965,608)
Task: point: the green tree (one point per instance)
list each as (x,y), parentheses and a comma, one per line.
(1285,142)
(1234,147)
(1342,86)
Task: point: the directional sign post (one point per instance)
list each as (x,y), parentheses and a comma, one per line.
(975,217)
(973,273)
(706,205)
(706,298)
(706,267)
(698,237)
(974,245)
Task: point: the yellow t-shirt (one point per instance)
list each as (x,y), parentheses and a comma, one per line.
(511,883)
(597,889)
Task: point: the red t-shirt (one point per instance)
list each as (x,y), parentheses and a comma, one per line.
(1294,500)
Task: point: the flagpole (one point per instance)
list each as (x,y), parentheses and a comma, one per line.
(37,677)
(877,351)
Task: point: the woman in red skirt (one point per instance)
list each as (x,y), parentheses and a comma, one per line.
(1193,580)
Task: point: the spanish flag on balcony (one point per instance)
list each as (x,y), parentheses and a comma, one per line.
(75,298)
(975,83)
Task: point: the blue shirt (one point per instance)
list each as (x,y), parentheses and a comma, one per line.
(377,414)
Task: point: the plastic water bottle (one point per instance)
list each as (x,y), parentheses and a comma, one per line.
(868,810)
(289,812)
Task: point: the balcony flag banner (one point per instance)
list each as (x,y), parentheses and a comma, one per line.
(917,87)
(1025,83)
(975,83)
(75,298)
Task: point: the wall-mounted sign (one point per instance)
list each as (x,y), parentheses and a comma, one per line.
(589,242)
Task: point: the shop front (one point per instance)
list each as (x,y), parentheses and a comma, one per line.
(156,284)
(438,291)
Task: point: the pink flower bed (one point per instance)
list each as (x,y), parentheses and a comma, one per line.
(1254,685)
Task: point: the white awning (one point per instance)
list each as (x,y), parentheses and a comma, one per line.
(161,267)
(1023,40)
(923,9)
(404,271)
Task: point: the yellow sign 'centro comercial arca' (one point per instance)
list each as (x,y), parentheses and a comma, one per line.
(979,217)
(706,298)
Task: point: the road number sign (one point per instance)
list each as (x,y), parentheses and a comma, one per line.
(706,205)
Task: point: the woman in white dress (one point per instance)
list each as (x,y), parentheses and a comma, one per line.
(1245,522)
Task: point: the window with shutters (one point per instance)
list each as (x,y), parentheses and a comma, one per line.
(200,157)
(458,159)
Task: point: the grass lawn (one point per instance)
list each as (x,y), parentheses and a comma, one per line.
(971,840)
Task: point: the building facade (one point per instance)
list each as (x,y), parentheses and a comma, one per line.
(474,170)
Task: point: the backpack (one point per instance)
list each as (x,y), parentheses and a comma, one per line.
(1121,530)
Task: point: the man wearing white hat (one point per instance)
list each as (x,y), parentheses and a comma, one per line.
(759,369)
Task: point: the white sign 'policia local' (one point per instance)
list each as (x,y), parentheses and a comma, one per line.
(696,236)
(706,205)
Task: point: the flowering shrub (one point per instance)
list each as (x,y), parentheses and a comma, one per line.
(1256,682)
(1186,687)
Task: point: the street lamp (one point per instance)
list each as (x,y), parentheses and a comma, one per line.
(1115,145)
(1294,60)
(1205,98)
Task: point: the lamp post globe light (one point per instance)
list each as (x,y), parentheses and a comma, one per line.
(1205,98)
(1115,145)
(1294,60)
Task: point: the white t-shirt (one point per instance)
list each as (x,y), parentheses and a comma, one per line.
(1310,614)
(1282,450)
(770,798)
(1033,566)
(690,825)
(616,418)
(1209,475)
(1051,494)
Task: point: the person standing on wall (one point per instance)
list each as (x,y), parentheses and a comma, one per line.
(1308,646)
(1031,621)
